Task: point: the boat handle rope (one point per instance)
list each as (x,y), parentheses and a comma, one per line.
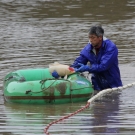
(21,79)
(44,89)
(101,93)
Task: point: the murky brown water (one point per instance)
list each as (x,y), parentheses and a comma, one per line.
(35,33)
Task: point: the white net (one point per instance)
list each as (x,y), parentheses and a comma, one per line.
(110,90)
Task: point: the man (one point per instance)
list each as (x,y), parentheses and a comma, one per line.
(102,54)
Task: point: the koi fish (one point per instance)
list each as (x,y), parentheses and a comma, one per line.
(61,69)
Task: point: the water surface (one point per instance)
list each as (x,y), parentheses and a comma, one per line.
(36,33)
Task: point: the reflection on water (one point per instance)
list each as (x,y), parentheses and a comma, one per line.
(36,33)
(18,117)
(108,115)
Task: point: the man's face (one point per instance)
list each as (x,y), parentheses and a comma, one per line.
(95,40)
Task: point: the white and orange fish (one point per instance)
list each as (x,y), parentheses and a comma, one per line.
(61,69)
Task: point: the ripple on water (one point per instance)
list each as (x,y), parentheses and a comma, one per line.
(36,33)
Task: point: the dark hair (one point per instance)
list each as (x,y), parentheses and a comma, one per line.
(96,30)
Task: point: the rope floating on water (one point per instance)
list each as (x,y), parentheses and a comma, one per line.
(101,93)
(65,117)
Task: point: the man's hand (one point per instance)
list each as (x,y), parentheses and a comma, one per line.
(83,68)
(55,74)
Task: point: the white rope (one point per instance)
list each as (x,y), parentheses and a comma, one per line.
(105,91)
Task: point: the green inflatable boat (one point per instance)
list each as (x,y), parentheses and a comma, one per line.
(38,86)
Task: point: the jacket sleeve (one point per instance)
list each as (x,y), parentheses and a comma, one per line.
(81,59)
(107,60)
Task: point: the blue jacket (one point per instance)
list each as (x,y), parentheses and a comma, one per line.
(103,66)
